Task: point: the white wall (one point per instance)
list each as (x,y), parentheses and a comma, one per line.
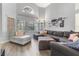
(0,17)
(77,17)
(0,21)
(8,9)
(61,10)
(41,13)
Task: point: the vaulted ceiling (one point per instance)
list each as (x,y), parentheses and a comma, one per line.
(38,8)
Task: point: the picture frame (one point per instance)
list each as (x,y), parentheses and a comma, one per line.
(62,23)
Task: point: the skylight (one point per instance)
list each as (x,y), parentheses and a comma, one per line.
(44,5)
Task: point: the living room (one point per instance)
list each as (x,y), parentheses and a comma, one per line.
(37,29)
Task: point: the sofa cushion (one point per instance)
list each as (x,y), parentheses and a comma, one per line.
(66,34)
(59,33)
(43,32)
(72,37)
(49,32)
(62,50)
(19,33)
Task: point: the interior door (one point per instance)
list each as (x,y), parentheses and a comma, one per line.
(11,26)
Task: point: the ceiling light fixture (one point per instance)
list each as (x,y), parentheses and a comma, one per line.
(28,9)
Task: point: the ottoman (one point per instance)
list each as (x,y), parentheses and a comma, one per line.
(22,40)
(44,42)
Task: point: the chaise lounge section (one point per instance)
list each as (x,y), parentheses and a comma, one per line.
(58,49)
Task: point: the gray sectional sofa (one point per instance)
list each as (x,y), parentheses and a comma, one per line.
(58,49)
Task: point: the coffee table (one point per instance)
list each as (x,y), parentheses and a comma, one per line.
(44,42)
